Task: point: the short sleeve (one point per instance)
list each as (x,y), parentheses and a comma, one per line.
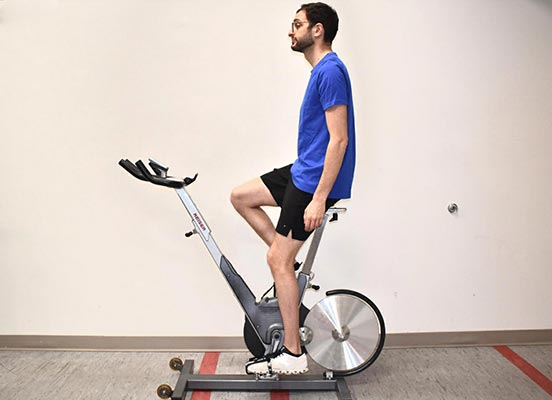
(332,87)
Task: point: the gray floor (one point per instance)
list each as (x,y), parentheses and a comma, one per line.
(444,373)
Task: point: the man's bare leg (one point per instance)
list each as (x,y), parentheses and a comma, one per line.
(248,199)
(281,257)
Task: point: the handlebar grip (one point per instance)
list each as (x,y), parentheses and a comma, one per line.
(189,181)
(131,169)
(159,169)
(168,182)
(140,171)
(144,170)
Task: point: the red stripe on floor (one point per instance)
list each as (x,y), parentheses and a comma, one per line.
(279,395)
(209,363)
(533,373)
(208,366)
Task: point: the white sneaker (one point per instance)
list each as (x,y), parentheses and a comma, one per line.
(281,362)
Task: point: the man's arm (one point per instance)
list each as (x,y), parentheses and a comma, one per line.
(336,119)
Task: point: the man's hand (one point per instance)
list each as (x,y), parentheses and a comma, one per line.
(314,214)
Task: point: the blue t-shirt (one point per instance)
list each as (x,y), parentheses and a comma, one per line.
(329,85)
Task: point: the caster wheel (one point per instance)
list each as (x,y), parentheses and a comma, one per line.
(176,364)
(164,391)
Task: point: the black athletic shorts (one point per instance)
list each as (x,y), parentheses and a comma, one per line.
(292,200)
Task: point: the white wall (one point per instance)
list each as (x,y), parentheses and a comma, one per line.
(453,102)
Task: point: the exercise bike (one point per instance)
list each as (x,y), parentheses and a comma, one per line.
(344,332)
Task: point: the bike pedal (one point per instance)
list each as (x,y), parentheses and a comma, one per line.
(268,376)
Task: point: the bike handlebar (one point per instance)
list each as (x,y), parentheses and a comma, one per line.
(140,171)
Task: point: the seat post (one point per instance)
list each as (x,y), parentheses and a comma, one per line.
(317,237)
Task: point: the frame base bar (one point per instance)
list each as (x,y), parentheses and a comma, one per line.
(188,381)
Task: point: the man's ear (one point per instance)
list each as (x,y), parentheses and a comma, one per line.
(318,30)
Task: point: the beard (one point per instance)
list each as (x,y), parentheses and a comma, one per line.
(302,44)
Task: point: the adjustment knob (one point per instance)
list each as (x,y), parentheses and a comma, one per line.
(188,234)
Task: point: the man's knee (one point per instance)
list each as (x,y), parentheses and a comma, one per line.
(279,260)
(241,197)
(274,261)
(237,197)
(251,194)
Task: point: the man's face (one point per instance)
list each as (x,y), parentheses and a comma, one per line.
(300,33)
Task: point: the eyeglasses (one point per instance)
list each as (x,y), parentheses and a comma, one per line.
(296,25)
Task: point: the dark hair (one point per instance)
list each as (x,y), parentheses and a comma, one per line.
(323,14)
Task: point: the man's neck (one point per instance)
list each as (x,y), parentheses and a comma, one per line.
(316,53)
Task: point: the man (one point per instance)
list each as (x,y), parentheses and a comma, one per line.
(321,175)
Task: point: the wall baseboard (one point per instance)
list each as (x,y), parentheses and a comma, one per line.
(469,338)
(234,343)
